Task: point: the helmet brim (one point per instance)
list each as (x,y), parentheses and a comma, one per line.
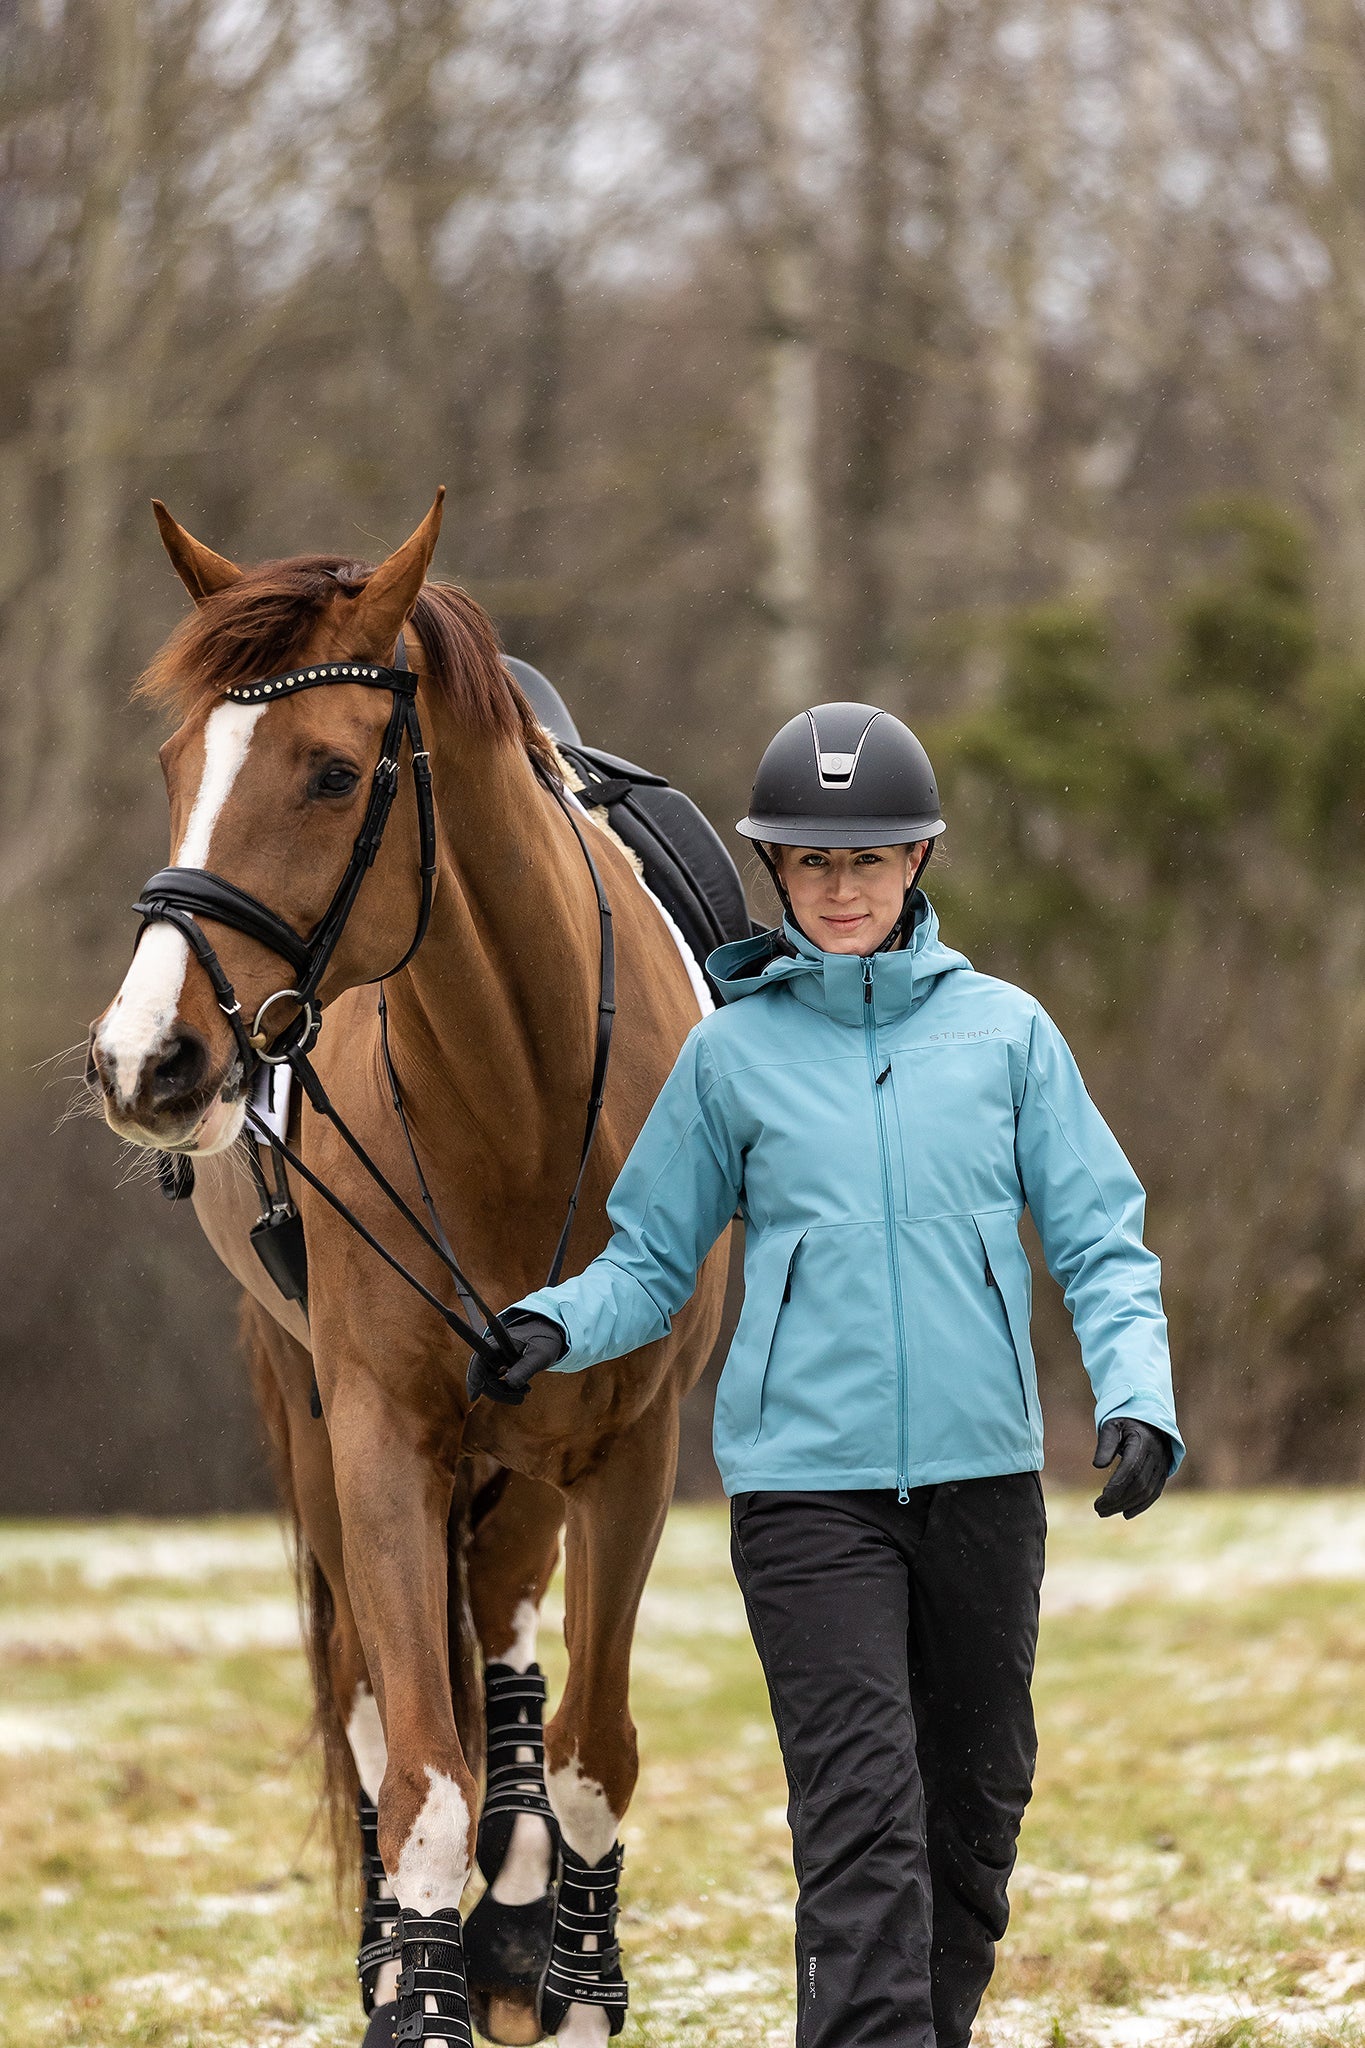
(842,832)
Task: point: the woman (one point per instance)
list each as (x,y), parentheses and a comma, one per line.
(880,1114)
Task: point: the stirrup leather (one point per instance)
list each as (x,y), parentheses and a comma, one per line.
(378,1914)
(586,1910)
(432,1972)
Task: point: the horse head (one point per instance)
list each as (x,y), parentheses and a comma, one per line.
(269,796)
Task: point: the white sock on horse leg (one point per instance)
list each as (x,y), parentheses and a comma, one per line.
(590,1828)
(525,1873)
(586,1821)
(520,1653)
(365,1733)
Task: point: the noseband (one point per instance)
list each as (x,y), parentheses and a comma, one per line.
(181,896)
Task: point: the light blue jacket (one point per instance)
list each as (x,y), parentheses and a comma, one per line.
(879,1124)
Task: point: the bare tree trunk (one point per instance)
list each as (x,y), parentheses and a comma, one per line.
(1023,102)
(101,406)
(875,379)
(788,500)
(1333,200)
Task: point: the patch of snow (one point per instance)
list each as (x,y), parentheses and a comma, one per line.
(104,1555)
(213,1908)
(151,1627)
(23,1732)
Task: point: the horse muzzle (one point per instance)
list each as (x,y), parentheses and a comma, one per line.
(173,1095)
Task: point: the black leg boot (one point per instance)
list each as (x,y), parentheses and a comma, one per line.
(585,1963)
(507,1947)
(432,1976)
(378,1930)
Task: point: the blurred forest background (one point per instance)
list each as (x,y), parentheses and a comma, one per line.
(1001,361)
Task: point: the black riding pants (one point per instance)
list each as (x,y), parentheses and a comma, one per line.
(898,1642)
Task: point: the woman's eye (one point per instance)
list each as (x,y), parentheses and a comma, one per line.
(337,780)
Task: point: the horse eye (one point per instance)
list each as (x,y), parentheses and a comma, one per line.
(338,780)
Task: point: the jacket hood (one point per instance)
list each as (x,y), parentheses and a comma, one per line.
(836,982)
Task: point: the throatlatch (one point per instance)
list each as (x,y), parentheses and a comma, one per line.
(379,1911)
(433,1972)
(585,1912)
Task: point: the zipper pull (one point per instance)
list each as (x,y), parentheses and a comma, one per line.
(883,1074)
(903,1494)
(867,981)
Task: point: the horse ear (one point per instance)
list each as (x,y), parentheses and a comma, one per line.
(201,571)
(382,607)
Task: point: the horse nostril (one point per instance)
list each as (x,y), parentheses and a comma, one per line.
(181,1068)
(92,1072)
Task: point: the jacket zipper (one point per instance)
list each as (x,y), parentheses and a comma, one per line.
(892,1254)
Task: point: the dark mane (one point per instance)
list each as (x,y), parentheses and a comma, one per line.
(261,626)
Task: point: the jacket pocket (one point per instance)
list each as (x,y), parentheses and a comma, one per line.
(1007,1272)
(767,1289)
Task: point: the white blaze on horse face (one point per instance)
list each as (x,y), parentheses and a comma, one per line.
(365,1733)
(433,1865)
(142,1013)
(589,1826)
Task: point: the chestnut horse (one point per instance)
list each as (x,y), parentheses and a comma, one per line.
(426,1524)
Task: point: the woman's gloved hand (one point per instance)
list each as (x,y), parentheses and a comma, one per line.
(1144,1455)
(535,1343)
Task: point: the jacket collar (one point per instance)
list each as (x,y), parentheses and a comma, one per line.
(837,983)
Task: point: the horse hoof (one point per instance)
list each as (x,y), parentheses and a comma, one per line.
(507,1947)
(383,2026)
(506,1950)
(507,2018)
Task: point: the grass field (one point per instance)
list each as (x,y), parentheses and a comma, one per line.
(1192,1869)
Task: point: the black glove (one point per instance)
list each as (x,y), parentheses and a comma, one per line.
(534,1344)
(1144,1456)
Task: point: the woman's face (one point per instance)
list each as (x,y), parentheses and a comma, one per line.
(846,898)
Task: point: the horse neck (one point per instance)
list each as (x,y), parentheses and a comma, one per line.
(495,1014)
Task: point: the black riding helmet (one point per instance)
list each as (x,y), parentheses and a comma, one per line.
(844,775)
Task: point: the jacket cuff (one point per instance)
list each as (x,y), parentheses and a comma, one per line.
(1150,1409)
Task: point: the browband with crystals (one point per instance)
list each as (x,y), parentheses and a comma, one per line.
(403,680)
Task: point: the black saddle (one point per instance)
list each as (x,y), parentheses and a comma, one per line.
(685,861)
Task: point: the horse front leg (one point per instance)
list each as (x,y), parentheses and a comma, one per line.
(394,1498)
(512,1556)
(346,1712)
(614,1518)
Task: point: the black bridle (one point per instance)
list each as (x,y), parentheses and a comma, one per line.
(181,896)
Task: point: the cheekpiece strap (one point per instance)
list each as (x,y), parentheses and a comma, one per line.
(403,680)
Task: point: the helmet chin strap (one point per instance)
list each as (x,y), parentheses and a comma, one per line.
(897,932)
(896,935)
